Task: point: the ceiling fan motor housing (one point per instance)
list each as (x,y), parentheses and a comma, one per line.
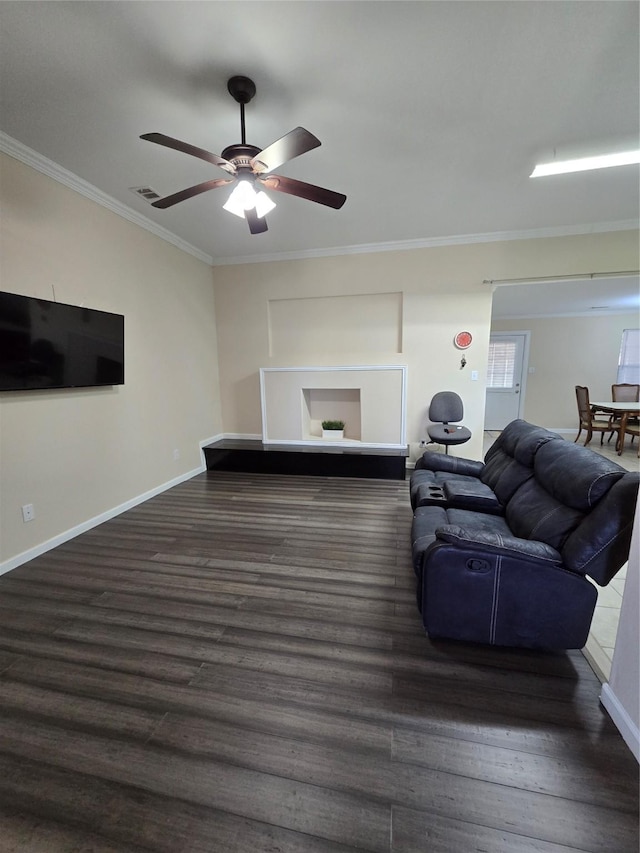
(240,155)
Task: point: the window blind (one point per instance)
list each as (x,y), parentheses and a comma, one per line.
(629,360)
(502,363)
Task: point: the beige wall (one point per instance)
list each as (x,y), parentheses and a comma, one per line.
(565,352)
(442,293)
(76,454)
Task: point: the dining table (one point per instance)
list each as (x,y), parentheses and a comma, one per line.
(623,410)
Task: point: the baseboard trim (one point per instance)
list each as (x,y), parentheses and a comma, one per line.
(621,719)
(71,533)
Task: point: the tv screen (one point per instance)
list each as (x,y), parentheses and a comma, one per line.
(51,345)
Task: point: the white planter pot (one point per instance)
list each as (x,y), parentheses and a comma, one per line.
(333,434)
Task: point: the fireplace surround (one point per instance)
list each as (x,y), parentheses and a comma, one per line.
(370,399)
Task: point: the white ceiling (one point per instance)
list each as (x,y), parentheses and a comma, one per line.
(569,298)
(431,114)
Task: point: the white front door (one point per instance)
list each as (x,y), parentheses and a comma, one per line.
(505,374)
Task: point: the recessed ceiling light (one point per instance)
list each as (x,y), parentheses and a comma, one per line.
(584,164)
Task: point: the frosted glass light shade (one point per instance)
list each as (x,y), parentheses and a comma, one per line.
(264,204)
(244,197)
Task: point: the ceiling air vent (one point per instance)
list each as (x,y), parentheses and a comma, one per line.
(146,193)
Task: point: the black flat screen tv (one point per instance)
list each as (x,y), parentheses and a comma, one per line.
(47,344)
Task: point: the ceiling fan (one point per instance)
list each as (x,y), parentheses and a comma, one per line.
(251,168)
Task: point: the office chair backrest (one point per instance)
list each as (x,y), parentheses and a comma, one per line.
(446,407)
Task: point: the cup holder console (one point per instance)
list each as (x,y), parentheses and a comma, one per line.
(435,493)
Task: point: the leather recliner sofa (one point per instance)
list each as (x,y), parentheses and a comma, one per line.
(505,551)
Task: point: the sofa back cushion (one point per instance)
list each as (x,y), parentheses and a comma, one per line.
(568,482)
(509,461)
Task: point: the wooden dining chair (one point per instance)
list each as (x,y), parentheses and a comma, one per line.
(589,420)
(625,392)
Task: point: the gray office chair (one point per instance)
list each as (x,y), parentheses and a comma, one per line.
(446,410)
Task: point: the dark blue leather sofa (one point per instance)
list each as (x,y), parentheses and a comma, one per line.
(505,551)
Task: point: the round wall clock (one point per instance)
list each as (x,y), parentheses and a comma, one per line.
(463,340)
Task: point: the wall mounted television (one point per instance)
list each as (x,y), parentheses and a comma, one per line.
(47,344)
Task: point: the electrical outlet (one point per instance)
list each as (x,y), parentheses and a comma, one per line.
(28,512)
(474,375)
(176,454)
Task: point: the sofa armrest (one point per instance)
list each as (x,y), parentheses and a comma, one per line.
(450,464)
(498,544)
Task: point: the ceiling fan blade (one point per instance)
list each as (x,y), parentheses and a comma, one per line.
(298,141)
(183,195)
(312,193)
(177,145)
(257,224)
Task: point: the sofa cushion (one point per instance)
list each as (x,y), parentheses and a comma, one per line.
(569,480)
(532,513)
(509,461)
(575,475)
(478,521)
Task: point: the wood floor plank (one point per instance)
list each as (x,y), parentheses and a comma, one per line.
(74,806)
(238,664)
(418,832)
(543,708)
(162,667)
(557,776)
(315,723)
(314,810)
(26,832)
(178,617)
(202,651)
(62,708)
(202,588)
(392,778)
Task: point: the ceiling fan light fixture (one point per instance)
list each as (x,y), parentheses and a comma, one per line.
(584,164)
(247,164)
(242,198)
(264,204)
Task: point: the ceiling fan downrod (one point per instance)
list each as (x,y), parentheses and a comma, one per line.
(242,90)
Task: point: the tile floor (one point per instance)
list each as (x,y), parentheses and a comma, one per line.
(602,637)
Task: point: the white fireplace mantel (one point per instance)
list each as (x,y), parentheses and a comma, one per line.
(371,399)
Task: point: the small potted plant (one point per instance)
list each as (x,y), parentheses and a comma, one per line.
(333,430)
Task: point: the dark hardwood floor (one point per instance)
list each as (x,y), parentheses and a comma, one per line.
(238,665)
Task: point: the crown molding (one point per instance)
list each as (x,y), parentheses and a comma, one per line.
(47,167)
(435,242)
(42,164)
(605,312)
